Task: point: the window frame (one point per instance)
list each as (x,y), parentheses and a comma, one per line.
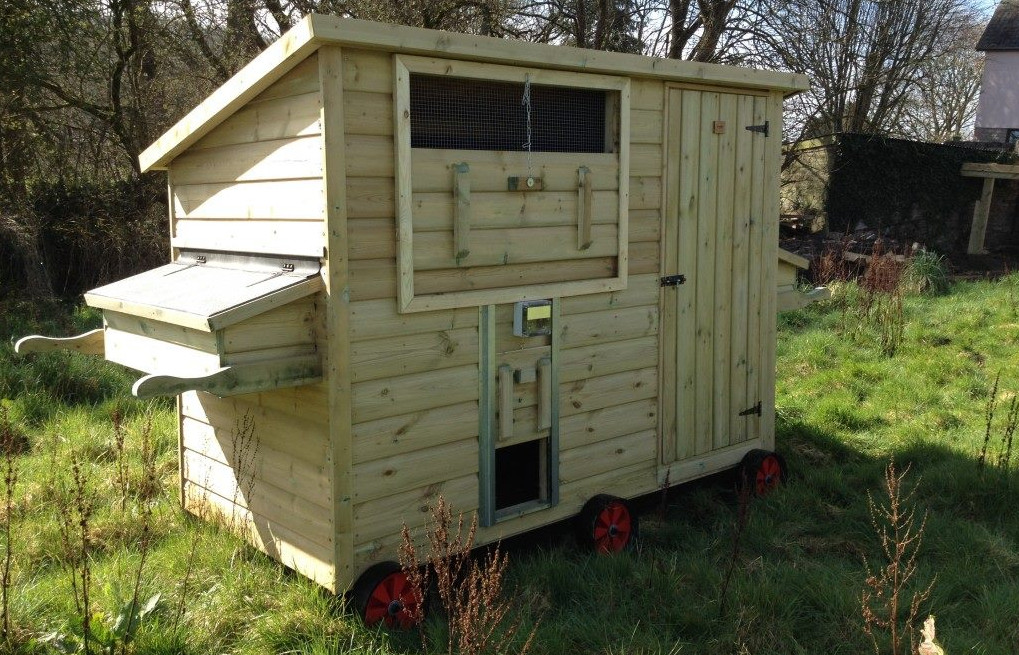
(404,66)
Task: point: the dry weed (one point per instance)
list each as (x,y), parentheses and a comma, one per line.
(8,438)
(886,616)
(471,591)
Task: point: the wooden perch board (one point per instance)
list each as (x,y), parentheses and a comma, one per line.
(89,343)
(235,380)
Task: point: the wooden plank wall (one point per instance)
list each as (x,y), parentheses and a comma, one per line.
(273,487)
(254,184)
(287,331)
(609,373)
(511,228)
(416,375)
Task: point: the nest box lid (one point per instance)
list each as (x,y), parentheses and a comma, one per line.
(210,291)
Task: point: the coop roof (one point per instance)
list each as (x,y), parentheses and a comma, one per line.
(315,31)
(206,296)
(1002,32)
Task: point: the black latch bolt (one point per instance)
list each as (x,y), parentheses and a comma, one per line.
(673,280)
(756,409)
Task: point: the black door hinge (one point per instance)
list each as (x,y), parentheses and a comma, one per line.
(762,129)
(673,280)
(756,409)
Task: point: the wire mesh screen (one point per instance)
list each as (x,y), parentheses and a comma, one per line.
(468,114)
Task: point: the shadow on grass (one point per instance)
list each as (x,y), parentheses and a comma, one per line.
(800,566)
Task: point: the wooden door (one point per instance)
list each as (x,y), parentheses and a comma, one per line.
(719,230)
(519,465)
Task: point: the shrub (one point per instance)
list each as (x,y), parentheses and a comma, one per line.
(927,274)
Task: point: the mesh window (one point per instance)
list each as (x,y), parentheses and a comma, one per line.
(468,114)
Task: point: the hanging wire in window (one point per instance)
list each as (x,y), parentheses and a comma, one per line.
(526,102)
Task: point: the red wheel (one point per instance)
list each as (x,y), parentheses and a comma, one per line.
(763,471)
(607,524)
(383,594)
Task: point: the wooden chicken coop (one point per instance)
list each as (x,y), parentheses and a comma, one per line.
(524,277)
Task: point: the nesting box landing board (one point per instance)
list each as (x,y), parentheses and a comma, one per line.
(397,160)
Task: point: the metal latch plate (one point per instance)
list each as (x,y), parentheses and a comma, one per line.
(673,280)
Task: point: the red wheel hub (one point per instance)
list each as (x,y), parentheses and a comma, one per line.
(769,475)
(612,528)
(393,601)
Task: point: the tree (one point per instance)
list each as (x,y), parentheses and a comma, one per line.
(865,58)
(484,17)
(943,104)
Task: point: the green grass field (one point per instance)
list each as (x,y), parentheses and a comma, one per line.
(844,410)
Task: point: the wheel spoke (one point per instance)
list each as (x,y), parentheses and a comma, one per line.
(399,585)
(380,594)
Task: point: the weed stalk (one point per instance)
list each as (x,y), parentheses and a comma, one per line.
(885,589)
(989,414)
(8,444)
(119,437)
(663,498)
(150,484)
(1008,434)
(80,538)
(244,456)
(470,591)
(738,528)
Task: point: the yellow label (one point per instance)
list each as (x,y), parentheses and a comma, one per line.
(539,312)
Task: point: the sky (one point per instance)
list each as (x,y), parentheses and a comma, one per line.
(986,7)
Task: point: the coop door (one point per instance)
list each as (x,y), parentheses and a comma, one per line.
(721,161)
(519,409)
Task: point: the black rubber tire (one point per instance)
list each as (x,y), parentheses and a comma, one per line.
(762,471)
(381,595)
(607,524)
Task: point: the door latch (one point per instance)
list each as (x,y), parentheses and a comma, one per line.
(760,129)
(673,280)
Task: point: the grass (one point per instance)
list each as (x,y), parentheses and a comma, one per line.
(845,408)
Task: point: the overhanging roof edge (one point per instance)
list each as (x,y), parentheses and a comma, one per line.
(315,30)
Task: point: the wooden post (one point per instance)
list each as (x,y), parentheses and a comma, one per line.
(337,312)
(981,211)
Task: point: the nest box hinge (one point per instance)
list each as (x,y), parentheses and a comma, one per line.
(756,409)
(673,280)
(761,129)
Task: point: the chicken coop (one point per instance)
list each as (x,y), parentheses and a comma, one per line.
(534,280)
